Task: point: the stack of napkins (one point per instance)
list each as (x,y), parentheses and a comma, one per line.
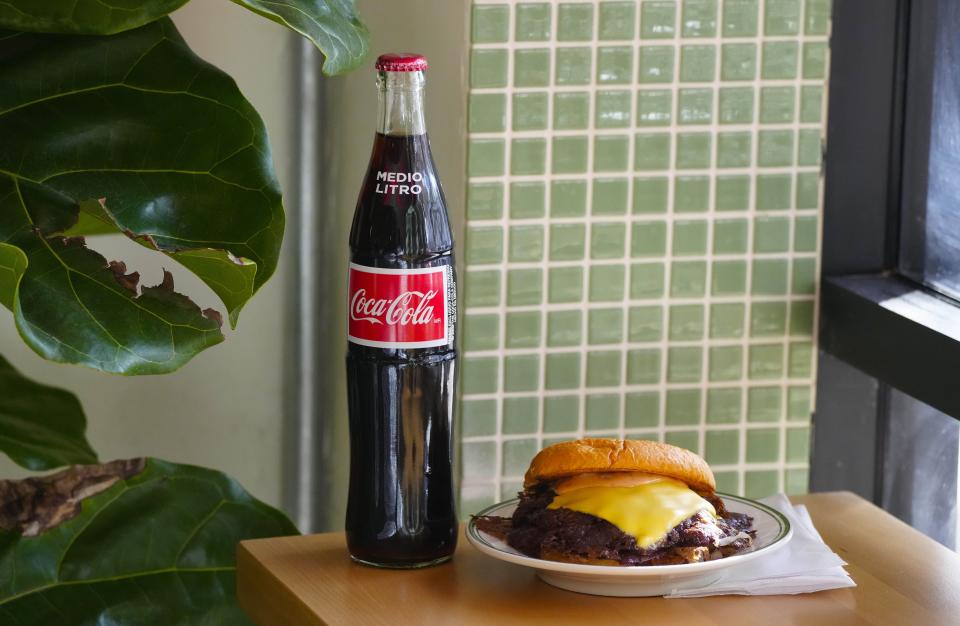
(806,564)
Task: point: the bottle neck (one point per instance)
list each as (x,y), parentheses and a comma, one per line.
(401,103)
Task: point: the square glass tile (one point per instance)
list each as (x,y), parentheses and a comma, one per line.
(780,60)
(479,418)
(484,201)
(523,329)
(566,284)
(574,21)
(610,197)
(645,323)
(568,198)
(564,328)
(736,105)
(605,326)
(652,151)
(527,200)
(656,63)
(483,287)
(607,241)
(561,413)
(520,415)
(617,20)
(727,320)
(642,409)
(695,106)
(615,64)
(610,153)
(526,242)
(607,283)
(738,61)
(650,195)
(613,109)
(531,67)
(532,21)
(574,66)
(487,113)
(740,18)
(528,156)
(481,332)
(491,23)
(699,18)
(658,19)
(654,107)
(697,63)
(686,322)
(530,110)
(524,286)
(569,155)
(571,110)
(647,280)
(488,67)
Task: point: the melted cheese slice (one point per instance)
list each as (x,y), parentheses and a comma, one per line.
(646,511)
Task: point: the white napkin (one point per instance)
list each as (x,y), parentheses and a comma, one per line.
(806,564)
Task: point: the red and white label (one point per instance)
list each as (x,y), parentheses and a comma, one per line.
(391,308)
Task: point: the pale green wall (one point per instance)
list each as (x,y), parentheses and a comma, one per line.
(224,409)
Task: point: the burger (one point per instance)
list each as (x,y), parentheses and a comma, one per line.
(621,502)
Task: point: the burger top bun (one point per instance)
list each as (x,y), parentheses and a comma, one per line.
(620,455)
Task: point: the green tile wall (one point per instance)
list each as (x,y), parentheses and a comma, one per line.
(643,229)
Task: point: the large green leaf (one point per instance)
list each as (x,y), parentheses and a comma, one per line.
(82,16)
(126,543)
(332,25)
(133,134)
(41,427)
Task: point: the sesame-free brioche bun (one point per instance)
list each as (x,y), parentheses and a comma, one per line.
(569,458)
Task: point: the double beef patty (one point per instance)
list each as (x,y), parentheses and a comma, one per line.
(565,535)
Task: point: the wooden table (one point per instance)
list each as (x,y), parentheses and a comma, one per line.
(903,578)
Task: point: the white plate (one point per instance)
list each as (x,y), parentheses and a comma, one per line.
(773,532)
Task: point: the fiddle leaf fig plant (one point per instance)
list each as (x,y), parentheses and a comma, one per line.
(111,125)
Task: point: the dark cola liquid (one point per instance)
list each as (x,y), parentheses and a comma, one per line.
(401,508)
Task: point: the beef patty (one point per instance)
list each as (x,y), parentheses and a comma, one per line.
(565,535)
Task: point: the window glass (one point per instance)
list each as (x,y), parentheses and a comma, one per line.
(930,235)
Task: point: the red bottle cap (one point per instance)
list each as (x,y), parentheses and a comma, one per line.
(402,62)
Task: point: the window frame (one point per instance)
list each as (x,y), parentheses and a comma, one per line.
(878,328)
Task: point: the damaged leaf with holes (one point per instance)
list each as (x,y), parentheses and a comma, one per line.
(140,541)
(131,134)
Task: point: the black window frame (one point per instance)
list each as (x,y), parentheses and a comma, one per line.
(878,329)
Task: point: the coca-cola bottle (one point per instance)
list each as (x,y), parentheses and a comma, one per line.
(401,349)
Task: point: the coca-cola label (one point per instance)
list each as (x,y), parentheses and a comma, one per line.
(391,308)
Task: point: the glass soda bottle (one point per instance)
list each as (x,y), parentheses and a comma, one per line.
(401,349)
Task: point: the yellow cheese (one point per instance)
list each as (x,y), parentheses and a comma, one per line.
(646,511)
